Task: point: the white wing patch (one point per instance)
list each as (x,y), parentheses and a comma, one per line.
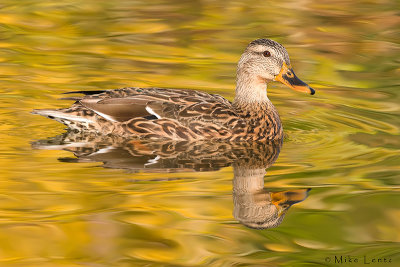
(151,111)
(152,161)
(105,116)
(104,150)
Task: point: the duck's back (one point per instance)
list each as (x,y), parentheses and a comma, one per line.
(158,113)
(149,113)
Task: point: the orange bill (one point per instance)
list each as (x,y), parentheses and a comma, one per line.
(287,77)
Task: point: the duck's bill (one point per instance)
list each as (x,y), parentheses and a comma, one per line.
(287,77)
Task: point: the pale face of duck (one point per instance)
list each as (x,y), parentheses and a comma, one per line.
(266,60)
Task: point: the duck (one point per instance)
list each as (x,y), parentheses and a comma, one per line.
(184,114)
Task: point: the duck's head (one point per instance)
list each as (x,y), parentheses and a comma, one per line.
(266,60)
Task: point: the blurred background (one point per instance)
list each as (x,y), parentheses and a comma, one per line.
(343,142)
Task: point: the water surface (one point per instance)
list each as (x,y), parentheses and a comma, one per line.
(59,209)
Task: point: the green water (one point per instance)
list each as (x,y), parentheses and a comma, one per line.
(58,208)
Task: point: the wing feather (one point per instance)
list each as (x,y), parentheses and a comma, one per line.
(181,105)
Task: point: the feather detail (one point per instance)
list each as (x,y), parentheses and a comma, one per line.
(157,113)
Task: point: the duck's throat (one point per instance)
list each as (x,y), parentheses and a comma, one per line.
(250,89)
(252,104)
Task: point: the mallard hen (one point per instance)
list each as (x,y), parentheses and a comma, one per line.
(157,113)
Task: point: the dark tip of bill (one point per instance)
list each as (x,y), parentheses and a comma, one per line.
(312,91)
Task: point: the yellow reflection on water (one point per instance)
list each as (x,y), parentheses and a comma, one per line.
(342,142)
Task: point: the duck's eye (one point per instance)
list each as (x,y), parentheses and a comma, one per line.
(266,54)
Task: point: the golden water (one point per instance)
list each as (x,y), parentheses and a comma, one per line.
(343,142)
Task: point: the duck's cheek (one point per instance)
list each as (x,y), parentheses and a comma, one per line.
(268,74)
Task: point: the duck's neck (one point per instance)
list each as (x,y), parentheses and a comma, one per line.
(250,89)
(251,103)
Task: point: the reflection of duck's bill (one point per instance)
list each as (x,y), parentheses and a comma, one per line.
(283,200)
(289,78)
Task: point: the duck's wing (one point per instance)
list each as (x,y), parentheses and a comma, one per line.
(156,103)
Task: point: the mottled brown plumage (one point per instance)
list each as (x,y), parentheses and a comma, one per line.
(155,113)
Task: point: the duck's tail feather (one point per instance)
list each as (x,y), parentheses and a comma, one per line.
(86,92)
(69,119)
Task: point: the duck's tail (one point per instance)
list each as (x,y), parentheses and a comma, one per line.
(66,117)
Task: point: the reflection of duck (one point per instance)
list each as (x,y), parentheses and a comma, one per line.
(161,156)
(156,113)
(254,206)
